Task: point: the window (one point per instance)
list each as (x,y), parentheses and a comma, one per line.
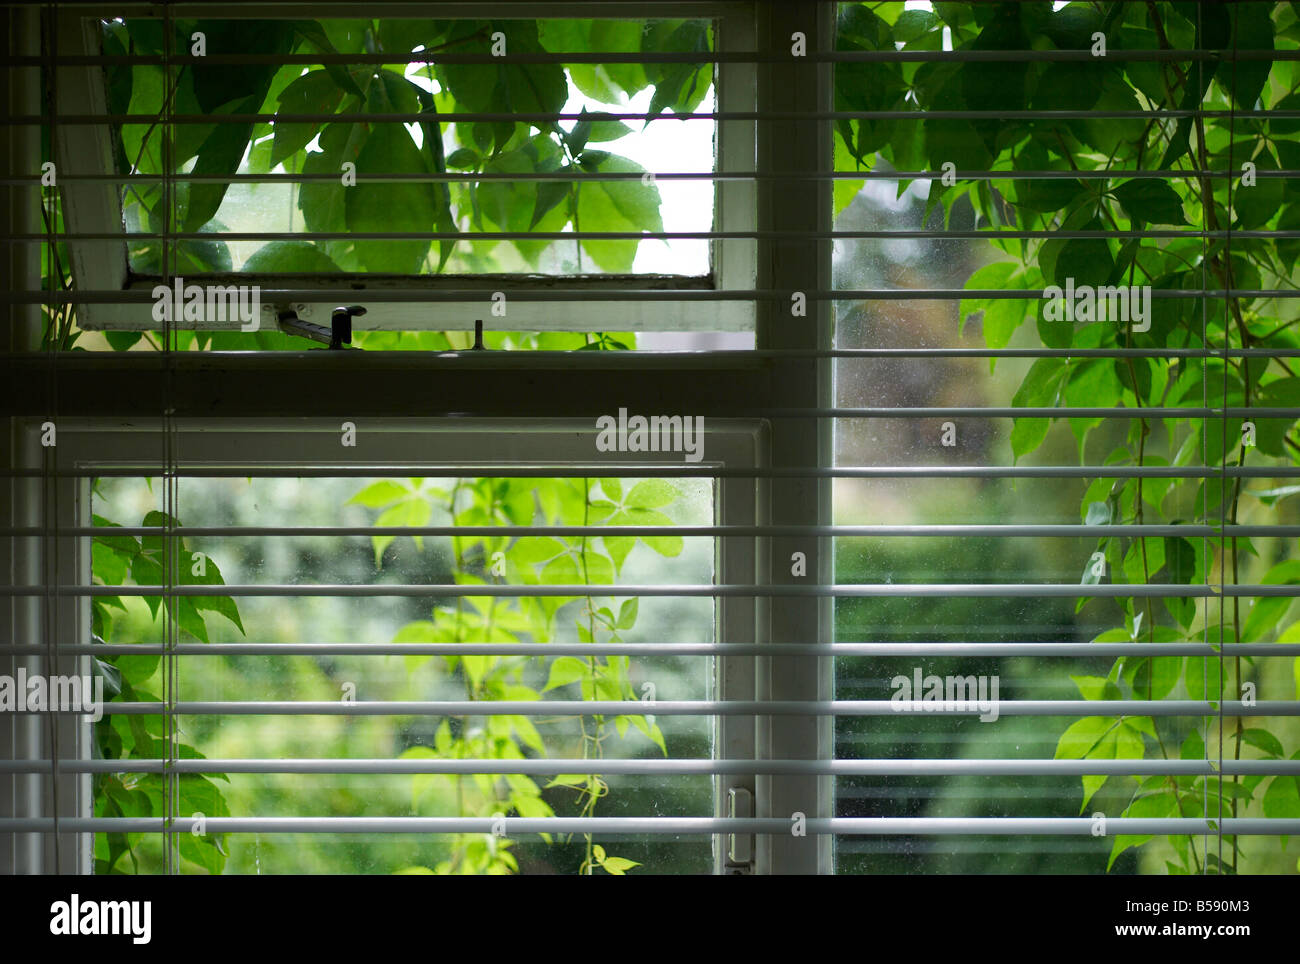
(316,683)
(194,158)
(986,563)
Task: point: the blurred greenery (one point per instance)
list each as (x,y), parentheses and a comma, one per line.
(466,560)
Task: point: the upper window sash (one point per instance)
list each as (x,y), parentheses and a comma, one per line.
(121,299)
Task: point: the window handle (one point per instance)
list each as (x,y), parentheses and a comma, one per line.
(341,325)
(337,336)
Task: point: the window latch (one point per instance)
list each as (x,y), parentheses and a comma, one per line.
(740,846)
(336,336)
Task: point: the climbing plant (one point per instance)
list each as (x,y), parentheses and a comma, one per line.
(1195,172)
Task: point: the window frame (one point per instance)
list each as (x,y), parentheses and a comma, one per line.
(464,446)
(101,267)
(791,370)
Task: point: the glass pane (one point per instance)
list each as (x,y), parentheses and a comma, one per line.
(482,621)
(975,183)
(350,159)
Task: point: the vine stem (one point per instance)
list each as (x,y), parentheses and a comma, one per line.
(590,743)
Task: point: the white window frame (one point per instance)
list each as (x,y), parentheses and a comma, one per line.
(390,447)
(93,207)
(128,388)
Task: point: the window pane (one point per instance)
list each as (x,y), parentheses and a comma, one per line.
(356,200)
(976,183)
(471,621)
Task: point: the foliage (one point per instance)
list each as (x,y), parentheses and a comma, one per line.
(115,560)
(527,561)
(1182,200)
(378,147)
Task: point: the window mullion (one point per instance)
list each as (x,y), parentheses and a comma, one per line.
(798,87)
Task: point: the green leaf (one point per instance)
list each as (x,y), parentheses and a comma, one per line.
(566,670)
(1212,32)
(912,24)
(414,511)
(463,157)
(1082,736)
(1070,85)
(996,275)
(315,92)
(616,206)
(1152,201)
(281,257)
(679,87)
(401,207)
(1263,740)
(1027,434)
(651,494)
(219,154)
(1267,611)
(1282,798)
(1257,204)
(216,85)
(1156,806)
(379,494)
(1087,260)
(1252,25)
(1201,676)
(627,613)
(618,865)
(1155,677)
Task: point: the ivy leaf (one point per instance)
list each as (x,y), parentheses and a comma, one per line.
(1267,611)
(1201,676)
(679,87)
(616,206)
(1151,200)
(315,92)
(1039,390)
(618,865)
(651,494)
(1155,806)
(1081,736)
(379,494)
(1282,798)
(286,257)
(566,670)
(219,154)
(413,511)
(1252,26)
(627,613)
(209,575)
(1256,205)
(390,207)
(1263,740)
